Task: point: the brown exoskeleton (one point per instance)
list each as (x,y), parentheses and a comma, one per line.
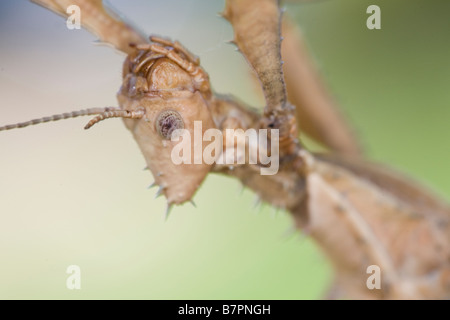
(164,84)
(360,215)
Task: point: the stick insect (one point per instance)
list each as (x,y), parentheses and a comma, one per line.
(341,202)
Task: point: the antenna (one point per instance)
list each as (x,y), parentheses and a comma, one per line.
(101,114)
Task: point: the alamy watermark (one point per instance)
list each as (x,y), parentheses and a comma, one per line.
(239,147)
(374,280)
(73,281)
(374,20)
(74,19)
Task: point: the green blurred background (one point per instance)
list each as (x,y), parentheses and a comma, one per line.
(69,196)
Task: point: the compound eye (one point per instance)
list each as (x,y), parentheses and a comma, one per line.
(167,122)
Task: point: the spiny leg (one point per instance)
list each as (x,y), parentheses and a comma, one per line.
(188,66)
(256,25)
(141,46)
(101,21)
(317,113)
(178,47)
(144,61)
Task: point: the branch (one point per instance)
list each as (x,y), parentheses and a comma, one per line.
(99,21)
(256,25)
